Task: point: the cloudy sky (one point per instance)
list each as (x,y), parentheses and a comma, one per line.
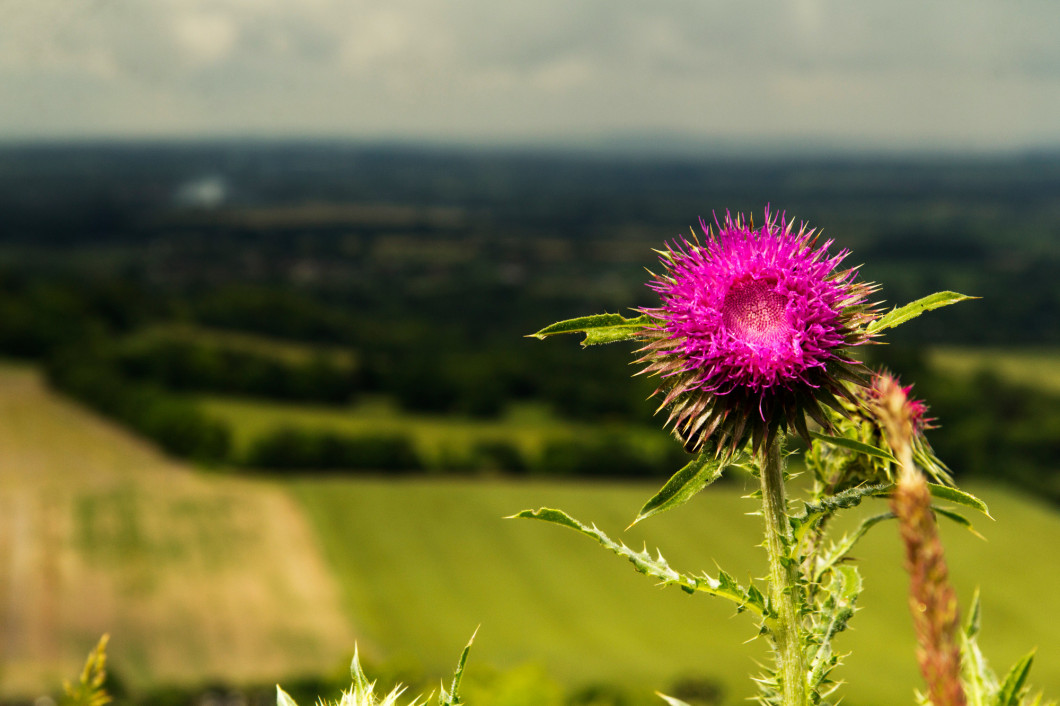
(983,74)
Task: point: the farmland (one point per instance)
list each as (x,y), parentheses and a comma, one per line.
(249,580)
(196,577)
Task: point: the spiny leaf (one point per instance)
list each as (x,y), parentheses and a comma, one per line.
(1013,684)
(696,475)
(656,566)
(598,328)
(914,309)
(853,445)
(671,700)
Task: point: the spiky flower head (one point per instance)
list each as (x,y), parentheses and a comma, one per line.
(753,331)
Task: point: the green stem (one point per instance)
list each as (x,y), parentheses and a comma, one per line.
(783,583)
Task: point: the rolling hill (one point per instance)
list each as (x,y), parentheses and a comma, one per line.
(200,576)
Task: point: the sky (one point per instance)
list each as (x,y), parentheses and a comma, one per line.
(910,74)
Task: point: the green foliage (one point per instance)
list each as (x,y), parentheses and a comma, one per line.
(173,422)
(190,359)
(297,448)
(606,454)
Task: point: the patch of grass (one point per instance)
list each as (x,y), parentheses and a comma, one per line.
(422,561)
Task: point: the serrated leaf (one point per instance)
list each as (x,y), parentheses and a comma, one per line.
(656,566)
(598,328)
(853,445)
(282,698)
(1014,681)
(958,496)
(914,309)
(696,475)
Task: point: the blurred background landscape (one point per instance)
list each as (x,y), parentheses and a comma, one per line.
(266,277)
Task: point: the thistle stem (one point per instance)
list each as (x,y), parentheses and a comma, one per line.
(783,579)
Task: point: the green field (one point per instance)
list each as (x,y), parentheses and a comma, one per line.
(202,576)
(1036,367)
(421,563)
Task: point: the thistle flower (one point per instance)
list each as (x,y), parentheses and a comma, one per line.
(753,331)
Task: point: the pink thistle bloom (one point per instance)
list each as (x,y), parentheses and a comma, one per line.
(752,331)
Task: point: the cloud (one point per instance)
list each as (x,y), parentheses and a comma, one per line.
(465,68)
